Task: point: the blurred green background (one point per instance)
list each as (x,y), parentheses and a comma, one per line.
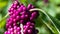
(43,24)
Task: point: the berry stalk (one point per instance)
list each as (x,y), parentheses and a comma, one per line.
(21,25)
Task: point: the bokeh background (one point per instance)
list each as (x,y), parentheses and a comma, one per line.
(43,24)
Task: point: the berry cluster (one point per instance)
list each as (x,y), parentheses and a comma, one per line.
(19,14)
(29,28)
(15,30)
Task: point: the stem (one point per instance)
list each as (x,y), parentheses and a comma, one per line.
(48,26)
(47,16)
(21,25)
(4,17)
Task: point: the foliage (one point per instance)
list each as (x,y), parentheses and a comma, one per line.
(45,24)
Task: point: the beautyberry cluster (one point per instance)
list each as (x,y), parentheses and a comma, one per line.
(29,28)
(15,30)
(20,14)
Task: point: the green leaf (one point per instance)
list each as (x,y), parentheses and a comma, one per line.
(3,4)
(52,26)
(0,17)
(3,20)
(25,2)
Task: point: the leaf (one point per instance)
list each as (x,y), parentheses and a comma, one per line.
(0,17)
(2,24)
(25,2)
(3,4)
(53,26)
(3,20)
(56,21)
